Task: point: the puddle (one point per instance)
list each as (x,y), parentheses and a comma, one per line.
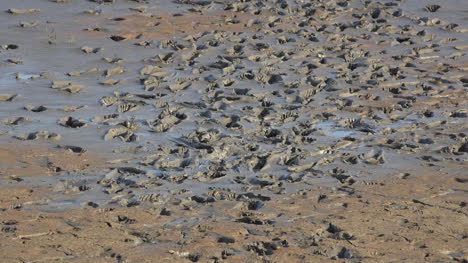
(325,125)
(27,76)
(342,133)
(9,79)
(154,173)
(328,128)
(62,203)
(400,124)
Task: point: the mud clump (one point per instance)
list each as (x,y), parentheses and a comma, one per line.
(71,122)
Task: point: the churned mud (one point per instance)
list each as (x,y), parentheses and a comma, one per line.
(417,219)
(233,131)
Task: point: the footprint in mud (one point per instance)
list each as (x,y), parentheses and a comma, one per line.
(114,71)
(90,50)
(67,86)
(39,108)
(15,11)
(16,121)
(8,97)
(71,122)
(39,135)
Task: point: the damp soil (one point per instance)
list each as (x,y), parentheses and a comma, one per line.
(228,131)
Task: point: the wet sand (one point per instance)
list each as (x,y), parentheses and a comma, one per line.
(200,131)
(422,218)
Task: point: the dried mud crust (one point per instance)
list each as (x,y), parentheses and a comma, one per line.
(419,219)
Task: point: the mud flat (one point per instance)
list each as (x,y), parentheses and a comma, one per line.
(227,131)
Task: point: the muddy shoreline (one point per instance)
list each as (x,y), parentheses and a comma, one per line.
(421,218)
(226,131)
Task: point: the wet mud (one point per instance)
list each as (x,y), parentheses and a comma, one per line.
(228,131)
